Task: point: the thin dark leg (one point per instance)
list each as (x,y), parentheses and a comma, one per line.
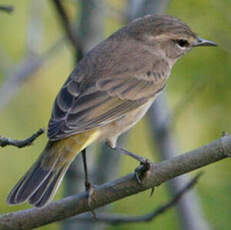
(87,184)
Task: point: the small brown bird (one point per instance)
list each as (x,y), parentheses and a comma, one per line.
(108,92)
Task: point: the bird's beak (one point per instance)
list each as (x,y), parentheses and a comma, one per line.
(203,42)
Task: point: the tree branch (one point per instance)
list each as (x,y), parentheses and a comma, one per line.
(4,141)
(71,34)
(7,9)
(122,219)
(118,189)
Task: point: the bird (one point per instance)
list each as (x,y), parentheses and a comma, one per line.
(106,94)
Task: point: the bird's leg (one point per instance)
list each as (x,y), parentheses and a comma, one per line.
(144,163)
(86,182)
(141,170)
(142,160)
(88,187)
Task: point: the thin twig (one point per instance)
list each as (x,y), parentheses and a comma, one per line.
(7,9)
(71,34)
(122,219)
(4,141)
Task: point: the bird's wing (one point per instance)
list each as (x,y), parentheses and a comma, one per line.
(102,102)
(92,98)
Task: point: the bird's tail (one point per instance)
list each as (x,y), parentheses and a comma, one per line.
(42,180)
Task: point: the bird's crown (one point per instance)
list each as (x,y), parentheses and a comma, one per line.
(160,26)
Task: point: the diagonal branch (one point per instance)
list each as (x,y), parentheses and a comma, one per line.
(71,34)
(120,188)
(4,141)
(121,219)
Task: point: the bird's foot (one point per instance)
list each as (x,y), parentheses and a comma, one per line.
(141,171)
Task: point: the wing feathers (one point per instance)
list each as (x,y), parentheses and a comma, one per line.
(98,100)
(65,100)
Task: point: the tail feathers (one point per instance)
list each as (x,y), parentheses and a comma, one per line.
(48,188)
(40,183)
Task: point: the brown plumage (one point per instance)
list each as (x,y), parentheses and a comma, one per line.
(107,93)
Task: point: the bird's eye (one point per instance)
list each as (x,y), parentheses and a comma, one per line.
(182,43)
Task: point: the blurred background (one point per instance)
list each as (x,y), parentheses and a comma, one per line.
(36,57)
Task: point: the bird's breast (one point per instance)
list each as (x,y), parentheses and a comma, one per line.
(114,129)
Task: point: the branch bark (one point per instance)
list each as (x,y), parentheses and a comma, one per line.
(120,188)
(4,141)
(116,219)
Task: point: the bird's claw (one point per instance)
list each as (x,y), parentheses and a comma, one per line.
(141,170)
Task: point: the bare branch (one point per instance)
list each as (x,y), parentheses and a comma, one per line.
(7,9)
(122,219)
(120,188)
(4,141)
(71,34)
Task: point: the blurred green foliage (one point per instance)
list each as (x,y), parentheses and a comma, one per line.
(199,95)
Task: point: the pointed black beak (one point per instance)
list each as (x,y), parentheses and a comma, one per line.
(203,42)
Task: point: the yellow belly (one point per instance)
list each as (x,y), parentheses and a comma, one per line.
(65,150)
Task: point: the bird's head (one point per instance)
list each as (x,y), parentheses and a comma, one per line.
(166,34)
